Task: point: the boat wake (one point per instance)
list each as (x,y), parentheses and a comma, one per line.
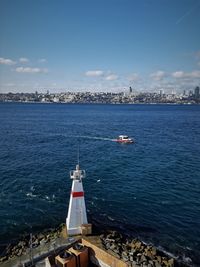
(94,137)
(84,137)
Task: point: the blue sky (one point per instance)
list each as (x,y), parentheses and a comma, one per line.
(99,45)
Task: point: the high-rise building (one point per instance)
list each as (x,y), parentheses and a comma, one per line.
(196,92)
(161,93)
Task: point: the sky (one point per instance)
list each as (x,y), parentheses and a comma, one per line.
(99,45)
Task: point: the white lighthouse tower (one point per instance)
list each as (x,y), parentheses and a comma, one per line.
(77,218)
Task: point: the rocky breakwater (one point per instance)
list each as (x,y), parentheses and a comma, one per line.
(22,247)
(135,253)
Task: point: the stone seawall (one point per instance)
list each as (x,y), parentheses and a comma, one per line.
(136,253)
(133,252)
(22,247)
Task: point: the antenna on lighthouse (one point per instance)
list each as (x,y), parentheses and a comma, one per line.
(78,153)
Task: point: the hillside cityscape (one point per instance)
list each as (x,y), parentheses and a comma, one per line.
(128,97)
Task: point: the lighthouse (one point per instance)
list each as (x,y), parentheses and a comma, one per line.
(76,221)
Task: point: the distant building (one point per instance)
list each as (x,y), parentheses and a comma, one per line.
(196,93)
(130,90)
(173,92)
(190,93)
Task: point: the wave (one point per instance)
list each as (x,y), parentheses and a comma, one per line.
(31,195)
(41,197)
(40,210)
(111,219)
(49,198)
(32,188)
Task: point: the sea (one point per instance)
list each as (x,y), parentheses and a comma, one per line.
(149,189)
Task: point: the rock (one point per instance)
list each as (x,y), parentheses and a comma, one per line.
(159,259)
(125,258)
(151,262)
(143,259)
(149,254)
(40,236)
(22,244)
(124,253)
(157,264)
(102,236)
(113,246)
(5,258)
(138,245)
(35,244)
(116,250)
(107,245)
(8,250)
(43,241)
(171,262)
(153,251)
(165,263)
(107,239)
(132,252)
(131,258)
(19,252)
(133,263)
(138,257)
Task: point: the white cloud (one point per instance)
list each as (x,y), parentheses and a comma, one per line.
(94,73)
(111,77)
(42,60)
(182,74)
(23,60)
(158,75)
(178,74)
(9,84)
(7,61)
(133,77)
(30,70)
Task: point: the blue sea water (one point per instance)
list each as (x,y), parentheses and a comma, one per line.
(150,189)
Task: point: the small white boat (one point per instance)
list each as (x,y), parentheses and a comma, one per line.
(124,139)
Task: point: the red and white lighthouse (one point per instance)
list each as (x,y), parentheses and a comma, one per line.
(77,211)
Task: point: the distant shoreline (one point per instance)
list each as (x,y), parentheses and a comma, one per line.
(93,103)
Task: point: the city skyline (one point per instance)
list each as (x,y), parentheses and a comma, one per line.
(99,45)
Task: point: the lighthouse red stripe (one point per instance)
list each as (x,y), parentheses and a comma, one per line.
(77,194)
